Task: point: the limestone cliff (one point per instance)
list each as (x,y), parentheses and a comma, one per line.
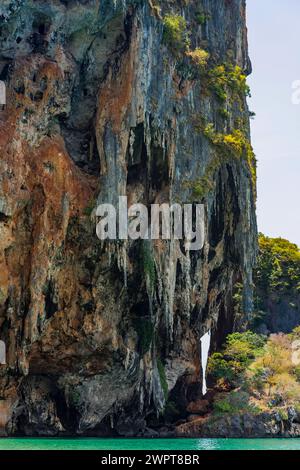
(108,98)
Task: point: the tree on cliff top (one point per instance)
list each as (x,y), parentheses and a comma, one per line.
(278,267)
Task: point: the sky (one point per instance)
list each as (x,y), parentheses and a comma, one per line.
(274,48)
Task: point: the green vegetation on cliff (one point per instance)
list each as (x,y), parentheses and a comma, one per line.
(227,146)
(145,331)
(227,83)
(202,17)
(257,374)
(278,268)
(227,79)
(199,57)
(239,350)
(175,32)
(162,377)
(277,285)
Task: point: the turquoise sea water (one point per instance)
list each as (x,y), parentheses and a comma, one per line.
(149,444)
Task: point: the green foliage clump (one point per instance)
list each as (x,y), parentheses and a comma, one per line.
(227,78)
(295,334)
(203,185)
(227,146)
(262,374)
(221,368)
(244,346)
(236,144)
(89,208)
(145,332)
(228,83)
(278,266)
(175,32)
(297,373)
(283,414)
(274,372)
(297,408)
(239,350)
(162,376)
(276,276)
(199,57)
(223,406)
(235,402)
(202,17)
(224,113)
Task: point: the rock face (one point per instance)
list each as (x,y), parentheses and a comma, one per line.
(264,425)
(98,105)
(276,278)
(281,315)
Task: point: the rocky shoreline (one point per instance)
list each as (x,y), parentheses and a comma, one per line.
(264,425)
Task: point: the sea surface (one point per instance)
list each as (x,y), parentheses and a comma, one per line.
(148,444)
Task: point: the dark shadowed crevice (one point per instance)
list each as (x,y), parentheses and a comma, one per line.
(5,72)
(217,222)
(159,168)
(137,156)
(4,218)
(82,147)
(51,305)
(67,414)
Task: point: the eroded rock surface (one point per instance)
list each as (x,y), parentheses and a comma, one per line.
(99,106)
(262,425)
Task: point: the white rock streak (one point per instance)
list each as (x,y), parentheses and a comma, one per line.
(205,345)
(2,353)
